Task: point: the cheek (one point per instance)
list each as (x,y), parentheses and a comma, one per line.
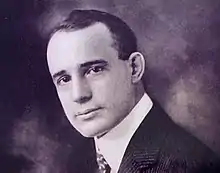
(113,89)
(65,101)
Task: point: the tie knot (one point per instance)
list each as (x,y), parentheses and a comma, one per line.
(102,163)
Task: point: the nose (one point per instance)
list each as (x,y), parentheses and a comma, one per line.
(81,91)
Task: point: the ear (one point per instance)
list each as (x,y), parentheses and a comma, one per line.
(137,64)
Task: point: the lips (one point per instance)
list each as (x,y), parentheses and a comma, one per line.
(88,111)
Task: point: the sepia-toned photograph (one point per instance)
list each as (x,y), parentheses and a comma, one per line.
(106,86)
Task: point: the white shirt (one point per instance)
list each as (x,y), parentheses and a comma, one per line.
(113,144)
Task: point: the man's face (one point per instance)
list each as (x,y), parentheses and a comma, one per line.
(93,84)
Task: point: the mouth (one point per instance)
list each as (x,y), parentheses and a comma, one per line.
(88,112)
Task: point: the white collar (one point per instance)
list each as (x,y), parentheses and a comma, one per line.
(113,144)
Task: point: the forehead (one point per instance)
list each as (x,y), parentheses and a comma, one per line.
(77,47)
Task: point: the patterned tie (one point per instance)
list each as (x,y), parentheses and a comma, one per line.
(103,165)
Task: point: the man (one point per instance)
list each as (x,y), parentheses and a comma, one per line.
(97,71)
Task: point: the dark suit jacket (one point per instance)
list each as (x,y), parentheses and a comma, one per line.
(159,145)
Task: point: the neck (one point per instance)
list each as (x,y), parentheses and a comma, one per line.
(139,93)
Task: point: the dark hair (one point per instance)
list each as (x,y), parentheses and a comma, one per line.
(124,37)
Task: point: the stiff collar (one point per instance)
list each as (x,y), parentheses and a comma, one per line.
(113,144)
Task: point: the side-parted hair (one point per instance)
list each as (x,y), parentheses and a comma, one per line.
(124,38)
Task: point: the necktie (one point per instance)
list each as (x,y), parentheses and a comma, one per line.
(103,165)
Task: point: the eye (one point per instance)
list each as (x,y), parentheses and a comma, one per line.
(95,70)
(63,80)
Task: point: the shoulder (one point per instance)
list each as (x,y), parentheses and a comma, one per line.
(177,149)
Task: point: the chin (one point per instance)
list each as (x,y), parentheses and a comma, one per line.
(93,133)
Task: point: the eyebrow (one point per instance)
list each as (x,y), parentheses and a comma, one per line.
(60,73)
(90,63)
(83,65)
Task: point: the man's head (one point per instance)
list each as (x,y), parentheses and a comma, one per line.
(93,60)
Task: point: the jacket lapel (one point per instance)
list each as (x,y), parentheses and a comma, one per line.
(143,150)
